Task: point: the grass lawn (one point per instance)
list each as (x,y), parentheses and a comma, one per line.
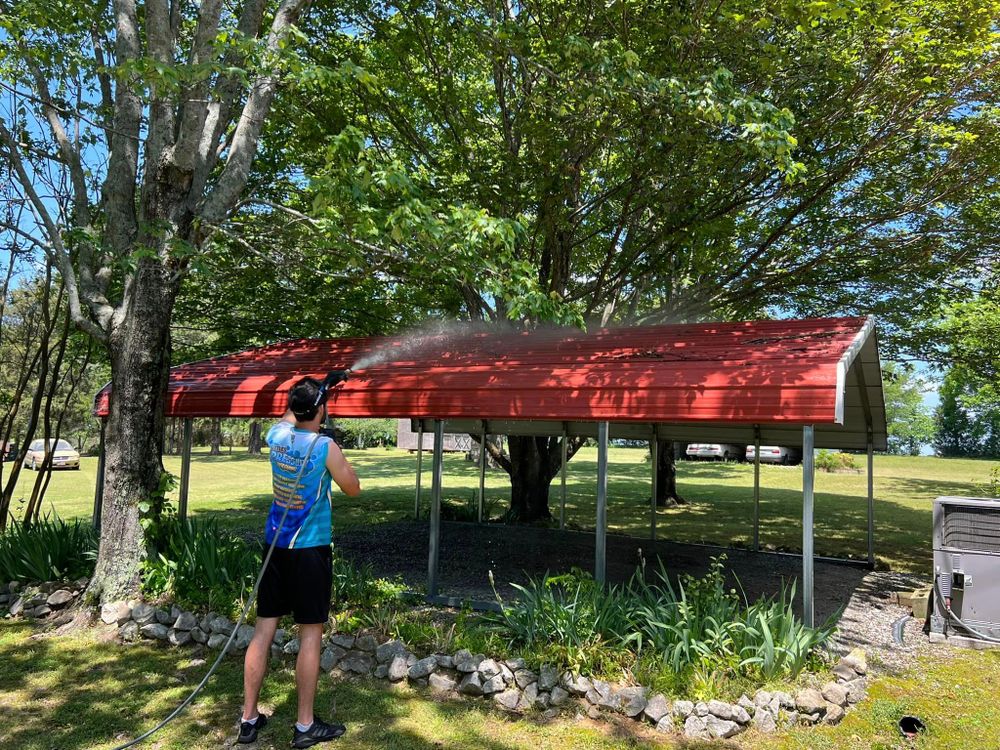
(81,693)
(236,488)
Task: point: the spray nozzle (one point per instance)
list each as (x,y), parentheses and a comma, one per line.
(332,380)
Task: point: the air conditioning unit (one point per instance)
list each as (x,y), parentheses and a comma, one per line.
(967,567)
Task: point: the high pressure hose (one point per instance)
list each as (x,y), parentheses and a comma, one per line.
(952,616)
(331,380)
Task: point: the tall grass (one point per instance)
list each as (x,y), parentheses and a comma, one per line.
(47,550)
(693,625)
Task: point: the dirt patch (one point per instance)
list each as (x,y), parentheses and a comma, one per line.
(513,553)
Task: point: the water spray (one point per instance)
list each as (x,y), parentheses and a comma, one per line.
(334,379)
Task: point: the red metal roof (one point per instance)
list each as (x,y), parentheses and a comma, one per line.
(787,371)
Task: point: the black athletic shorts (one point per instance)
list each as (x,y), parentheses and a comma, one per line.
(297,581)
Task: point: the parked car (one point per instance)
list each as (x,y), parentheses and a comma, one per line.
(776,454)
(714,451)
(64,456)
(8,452)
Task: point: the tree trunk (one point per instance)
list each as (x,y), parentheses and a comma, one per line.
(255,444)
(215,448)
(533,464)
(666,476)
(139,347)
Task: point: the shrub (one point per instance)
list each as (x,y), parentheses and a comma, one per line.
(834,461)
(358,587)
(47,550)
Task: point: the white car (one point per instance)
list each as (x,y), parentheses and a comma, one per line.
(775,454)
(64,455)
(714,451)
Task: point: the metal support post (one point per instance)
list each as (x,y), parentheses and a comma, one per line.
(182,495)
(435,521)
(482,471)
(601,535)
(654,452)
(808,497)
(99,489)
(420,464)
(562,476)
(756,488)
(871,500)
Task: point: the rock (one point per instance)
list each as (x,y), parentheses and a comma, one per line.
(466,662)
(542,700)
(398,668)
(548,677)
(365,643)
(59,598)
(421,683)
(291,647)
(834,713)
(199,636)
(524,677)
(384,651)
(205,623)
(276,651)
(578,685)
(4,597)
(17,607)
(179,637)
(721,709)
(746,704)
(682,709)
(593,712)
(243,637)
(810,718)
(834,693)
(656,708)
(175,612)
(359,662)
(528,697)
(696,727)
(221,625)
(809,701)
(129,631)
(411,659)
(215,641)
(488,668)
(515,664)
(445,661)
(186,621)
(857,661)
(143,613)
(785,700)
(764,722)
(471,684)
(559,696)
(856,691)
(280,637)
(43,609)
(440,683)
(154,630)
(844,673)
(493,685)
(631,701)
(762,698)
(701,709)
(665,724)
(508,699)
(381,671)
(331,657)
(346,641)
(423,668)
(116,613)
(163,617)
(721,729)
(14,586)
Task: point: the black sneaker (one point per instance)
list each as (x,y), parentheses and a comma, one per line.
(248,731)
(320,731)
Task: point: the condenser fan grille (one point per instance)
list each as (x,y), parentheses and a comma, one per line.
(971,528)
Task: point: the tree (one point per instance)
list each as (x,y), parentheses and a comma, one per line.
(631,162)
(130,133)
(966,424)
(910,423)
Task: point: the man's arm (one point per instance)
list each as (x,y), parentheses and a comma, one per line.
(342,471)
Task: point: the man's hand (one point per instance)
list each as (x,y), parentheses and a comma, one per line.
(342,471)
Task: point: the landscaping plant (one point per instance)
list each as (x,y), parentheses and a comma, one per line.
(47,550)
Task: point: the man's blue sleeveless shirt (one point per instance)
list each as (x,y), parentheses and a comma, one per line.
(308,521)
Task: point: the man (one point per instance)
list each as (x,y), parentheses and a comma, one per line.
(299,576)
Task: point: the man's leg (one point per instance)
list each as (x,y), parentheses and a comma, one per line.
(255,664)
(307,669)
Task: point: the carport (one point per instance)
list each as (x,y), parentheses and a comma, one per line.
(804,383)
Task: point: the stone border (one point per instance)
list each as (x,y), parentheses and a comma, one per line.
(508,683)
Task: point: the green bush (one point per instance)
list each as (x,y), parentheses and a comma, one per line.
(48,550)
(834,461)
(694,628)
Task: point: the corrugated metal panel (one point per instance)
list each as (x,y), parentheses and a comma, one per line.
(750,372)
